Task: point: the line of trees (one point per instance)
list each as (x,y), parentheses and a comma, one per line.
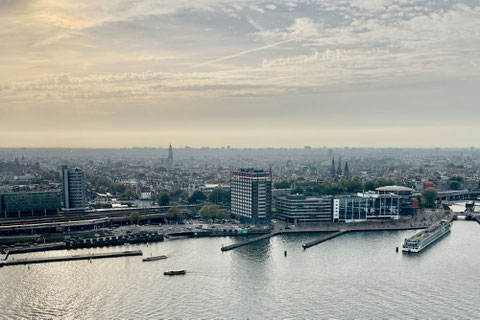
(212,212)
(342,186)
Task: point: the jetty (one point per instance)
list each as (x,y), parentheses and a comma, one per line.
(323,239)
(71,258)
(244,243)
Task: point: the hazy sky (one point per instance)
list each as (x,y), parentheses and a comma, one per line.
(243,73)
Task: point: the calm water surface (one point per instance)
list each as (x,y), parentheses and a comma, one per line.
(357,275)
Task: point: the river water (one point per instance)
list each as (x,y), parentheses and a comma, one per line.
(357,275)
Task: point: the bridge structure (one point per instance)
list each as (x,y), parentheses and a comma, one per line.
(455,195)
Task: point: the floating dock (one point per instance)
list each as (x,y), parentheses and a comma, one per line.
(71,258)
(326,238)
(244,243)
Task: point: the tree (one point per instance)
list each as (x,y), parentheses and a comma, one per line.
(381,182)
(177,193)
(457,179)
(212,212)
(455,185)
(164,199)
(134,217)
(197,196)
(174,214)
(429,197)
(219,195)
(128,193)
(284,184)
(369,185)
(298,190)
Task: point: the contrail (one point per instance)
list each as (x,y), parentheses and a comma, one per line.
(242,53)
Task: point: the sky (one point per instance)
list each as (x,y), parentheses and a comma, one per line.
(245,73)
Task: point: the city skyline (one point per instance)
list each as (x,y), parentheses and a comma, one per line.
(248,74)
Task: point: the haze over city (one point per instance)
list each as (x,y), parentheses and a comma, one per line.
(247,73)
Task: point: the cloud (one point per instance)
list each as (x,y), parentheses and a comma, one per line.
(239,54)
(110,55)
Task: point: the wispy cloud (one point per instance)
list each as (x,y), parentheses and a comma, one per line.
(239,54)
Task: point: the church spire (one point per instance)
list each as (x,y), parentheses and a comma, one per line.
(333,172)
(339,169)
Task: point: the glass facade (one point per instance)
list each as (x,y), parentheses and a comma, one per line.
(358,208)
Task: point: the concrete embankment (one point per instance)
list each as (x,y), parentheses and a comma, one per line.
(244,243)
(353,227)
(72,258)
(323,239)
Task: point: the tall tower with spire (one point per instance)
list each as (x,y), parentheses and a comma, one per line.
(333,171)
(170,155)
(339,169)
(346,171)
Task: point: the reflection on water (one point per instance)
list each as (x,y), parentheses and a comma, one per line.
(357,275)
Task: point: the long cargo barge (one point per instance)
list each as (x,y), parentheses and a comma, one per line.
(424,238)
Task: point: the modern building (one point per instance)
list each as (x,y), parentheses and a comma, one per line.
(251,195)
(29,203)
(409,203)
(389,202)
(299,208)
(366,206)
(73,188)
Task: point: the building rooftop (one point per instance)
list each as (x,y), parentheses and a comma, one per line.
(395,189)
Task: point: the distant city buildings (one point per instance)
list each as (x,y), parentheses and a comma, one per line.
(251,195)
(73,188)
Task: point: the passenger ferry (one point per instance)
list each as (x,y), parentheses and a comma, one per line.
(426,237)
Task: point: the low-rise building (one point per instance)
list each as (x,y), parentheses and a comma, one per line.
(29,203)
(389,202)
(299,208)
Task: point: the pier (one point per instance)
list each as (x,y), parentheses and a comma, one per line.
(326,238)
(72,258)
(244,243)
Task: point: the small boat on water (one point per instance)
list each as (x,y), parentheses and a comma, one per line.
(174,272)
(155,258)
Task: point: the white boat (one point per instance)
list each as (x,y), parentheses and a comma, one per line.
(426,237)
